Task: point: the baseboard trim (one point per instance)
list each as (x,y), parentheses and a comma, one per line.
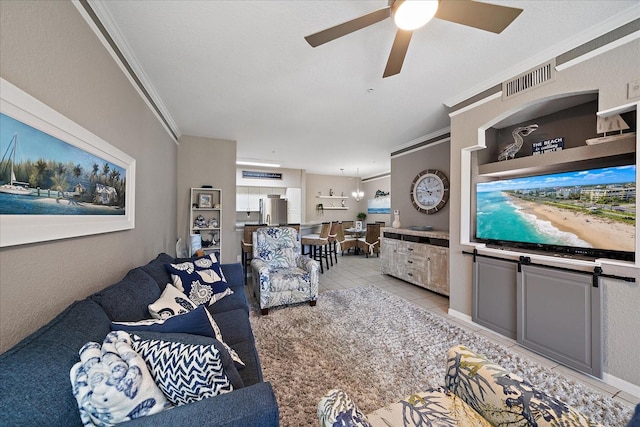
(606,378)
(460,315)
(621,384)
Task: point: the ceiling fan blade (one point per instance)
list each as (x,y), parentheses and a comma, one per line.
(398,52)
(348,27)
(485,16)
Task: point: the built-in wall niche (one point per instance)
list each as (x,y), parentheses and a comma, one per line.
(571,119)
(532,182)
(575,124)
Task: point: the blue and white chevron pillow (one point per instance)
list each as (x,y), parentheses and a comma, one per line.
(185,373)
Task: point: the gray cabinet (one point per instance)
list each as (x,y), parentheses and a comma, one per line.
(559,316)
(494,295)
(554,312)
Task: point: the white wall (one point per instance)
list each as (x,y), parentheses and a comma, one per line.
(608,74)
(49,51)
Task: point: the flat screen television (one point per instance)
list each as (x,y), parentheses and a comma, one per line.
(587,213)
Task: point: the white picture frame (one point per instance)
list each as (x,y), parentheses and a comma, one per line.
(20,228)
(205,201)
(358,225)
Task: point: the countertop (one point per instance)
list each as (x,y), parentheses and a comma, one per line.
(240,225)
(436,234)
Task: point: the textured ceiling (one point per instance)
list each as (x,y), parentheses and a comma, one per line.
(241,70)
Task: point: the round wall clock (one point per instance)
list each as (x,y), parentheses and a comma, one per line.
(430,191)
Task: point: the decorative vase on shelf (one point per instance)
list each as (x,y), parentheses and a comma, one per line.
(396,219)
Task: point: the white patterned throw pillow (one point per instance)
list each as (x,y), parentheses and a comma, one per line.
(170,303)
(185,373)
(112,384)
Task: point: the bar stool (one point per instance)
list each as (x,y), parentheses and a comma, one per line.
(316,243)
(332,242)
(246,245)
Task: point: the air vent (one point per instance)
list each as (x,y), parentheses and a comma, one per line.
(531,79)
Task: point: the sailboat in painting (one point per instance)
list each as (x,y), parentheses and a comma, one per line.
(610,125)
(14,186)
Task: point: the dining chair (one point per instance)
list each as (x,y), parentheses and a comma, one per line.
(246,245)
(317,244)
(347,224)
(370,243)
(345,243)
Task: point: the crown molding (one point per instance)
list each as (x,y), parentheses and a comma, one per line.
(127,61)
(558,49)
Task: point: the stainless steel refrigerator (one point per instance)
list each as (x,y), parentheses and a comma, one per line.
(273,210)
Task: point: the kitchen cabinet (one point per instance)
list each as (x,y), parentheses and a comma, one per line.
(248,198)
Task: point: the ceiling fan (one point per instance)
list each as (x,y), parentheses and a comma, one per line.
(412,14)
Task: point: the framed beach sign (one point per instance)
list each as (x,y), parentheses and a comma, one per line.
(57,180)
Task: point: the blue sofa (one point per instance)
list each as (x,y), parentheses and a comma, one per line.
(34,375)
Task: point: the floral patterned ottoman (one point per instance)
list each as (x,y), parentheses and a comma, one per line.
(477,393)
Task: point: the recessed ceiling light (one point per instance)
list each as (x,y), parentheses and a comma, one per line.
(370,90)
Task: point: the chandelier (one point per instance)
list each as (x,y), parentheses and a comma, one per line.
(358,195)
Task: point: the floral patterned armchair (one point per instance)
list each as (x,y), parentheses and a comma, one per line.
(281,275)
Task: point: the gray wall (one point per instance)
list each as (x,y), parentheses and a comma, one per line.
(49,51)
(608,74)
(206,161)
(404,169)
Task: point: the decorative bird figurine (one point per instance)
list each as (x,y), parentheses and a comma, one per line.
(510,151)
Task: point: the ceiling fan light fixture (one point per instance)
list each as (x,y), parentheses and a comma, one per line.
(413,14)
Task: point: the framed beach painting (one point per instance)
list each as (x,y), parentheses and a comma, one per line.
(379,205)
(57,180)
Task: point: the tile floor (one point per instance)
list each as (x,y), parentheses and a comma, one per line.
(355,270)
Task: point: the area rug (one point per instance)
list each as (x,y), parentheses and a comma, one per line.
(379,349)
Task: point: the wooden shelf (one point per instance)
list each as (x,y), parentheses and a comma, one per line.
(332,197)
(587,156)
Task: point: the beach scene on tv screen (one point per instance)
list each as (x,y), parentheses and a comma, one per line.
(590,209)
